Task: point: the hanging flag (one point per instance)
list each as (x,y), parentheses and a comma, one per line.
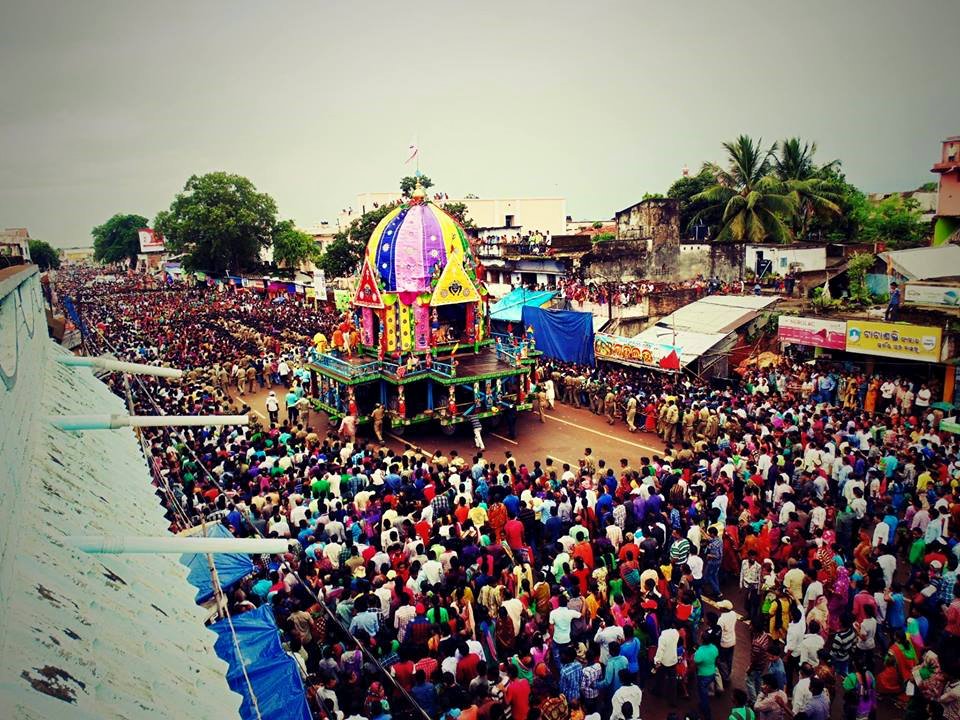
(414,151)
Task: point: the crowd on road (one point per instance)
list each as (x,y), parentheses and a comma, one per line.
(809,511)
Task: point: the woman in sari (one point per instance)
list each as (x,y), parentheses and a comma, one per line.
(820,613)
(898,668)
(839,597)
(870,402)
(930,682)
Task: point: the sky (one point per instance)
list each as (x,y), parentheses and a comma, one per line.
(109,107)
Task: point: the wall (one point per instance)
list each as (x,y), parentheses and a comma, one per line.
(23,337)
(948,200)
(656,220)
(722,260)
(810,259)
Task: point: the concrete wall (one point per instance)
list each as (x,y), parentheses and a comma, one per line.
(722,260)
(655,220)
(810,259)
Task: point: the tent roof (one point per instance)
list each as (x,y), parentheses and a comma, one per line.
(926,263)
(509,308)
(692,344)
(92,636)
(231,568)
(717,313)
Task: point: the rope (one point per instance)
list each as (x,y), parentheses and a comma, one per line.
(218,592)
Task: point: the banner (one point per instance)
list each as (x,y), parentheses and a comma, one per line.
(815,332)
(634,350)
(932,295)
(320,284)
(150,240)
(897,340)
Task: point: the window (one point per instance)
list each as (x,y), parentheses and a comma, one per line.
(508,221)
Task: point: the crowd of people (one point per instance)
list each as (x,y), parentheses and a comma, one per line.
(801,525)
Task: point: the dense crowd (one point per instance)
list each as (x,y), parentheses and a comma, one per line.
(805,521)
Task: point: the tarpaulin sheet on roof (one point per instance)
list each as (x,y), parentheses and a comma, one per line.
(273,674)
(509,308)
(562,334)
(230,568)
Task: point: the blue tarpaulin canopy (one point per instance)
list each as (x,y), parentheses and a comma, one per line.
(230,568)
(509,308)
(562,334)
(273,674)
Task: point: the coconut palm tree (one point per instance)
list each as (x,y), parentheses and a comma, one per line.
(757,206)
(815,195)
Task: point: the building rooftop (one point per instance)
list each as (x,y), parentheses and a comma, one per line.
(925,263)
(81,635)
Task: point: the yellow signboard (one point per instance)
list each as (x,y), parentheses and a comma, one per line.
(898,340)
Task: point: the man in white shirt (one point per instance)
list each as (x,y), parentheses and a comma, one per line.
(727,622)
(630,693)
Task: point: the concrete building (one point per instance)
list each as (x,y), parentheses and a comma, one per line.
(15,245)
(926,200)
(78,254)
(82,635)
(525,215)
(947,227)
(766,260)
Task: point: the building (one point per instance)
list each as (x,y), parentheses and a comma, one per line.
(14,246)
(926,201)
(765,260)
(77,254)
(947,226)
(84,635)
(547,216)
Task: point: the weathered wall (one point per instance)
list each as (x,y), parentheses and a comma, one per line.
(23,339)
(722,260)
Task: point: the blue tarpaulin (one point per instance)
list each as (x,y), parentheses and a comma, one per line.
(510,306)
(230,568)
(562,334)
(273,674)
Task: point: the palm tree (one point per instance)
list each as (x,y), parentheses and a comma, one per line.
(815,195)
(756,204)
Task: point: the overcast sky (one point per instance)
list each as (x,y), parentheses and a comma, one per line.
(109,106)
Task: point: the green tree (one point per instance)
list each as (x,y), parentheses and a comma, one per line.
(220,221)
(652,196)
(895,221)
(756,205)
(292,247)
(814,193)
(408,183)
(44,255)
(684,190)
(117,239)
(458,211)
(343,256)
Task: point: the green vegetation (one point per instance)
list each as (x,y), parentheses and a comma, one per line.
(117,240)
(781,194)
(220,222)
(292,247)
(44,255)
(409,183)
(342,258)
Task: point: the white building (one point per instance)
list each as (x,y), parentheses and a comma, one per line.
(784,258)
(522,215)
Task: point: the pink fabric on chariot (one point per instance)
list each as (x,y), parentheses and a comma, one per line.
(408,253)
